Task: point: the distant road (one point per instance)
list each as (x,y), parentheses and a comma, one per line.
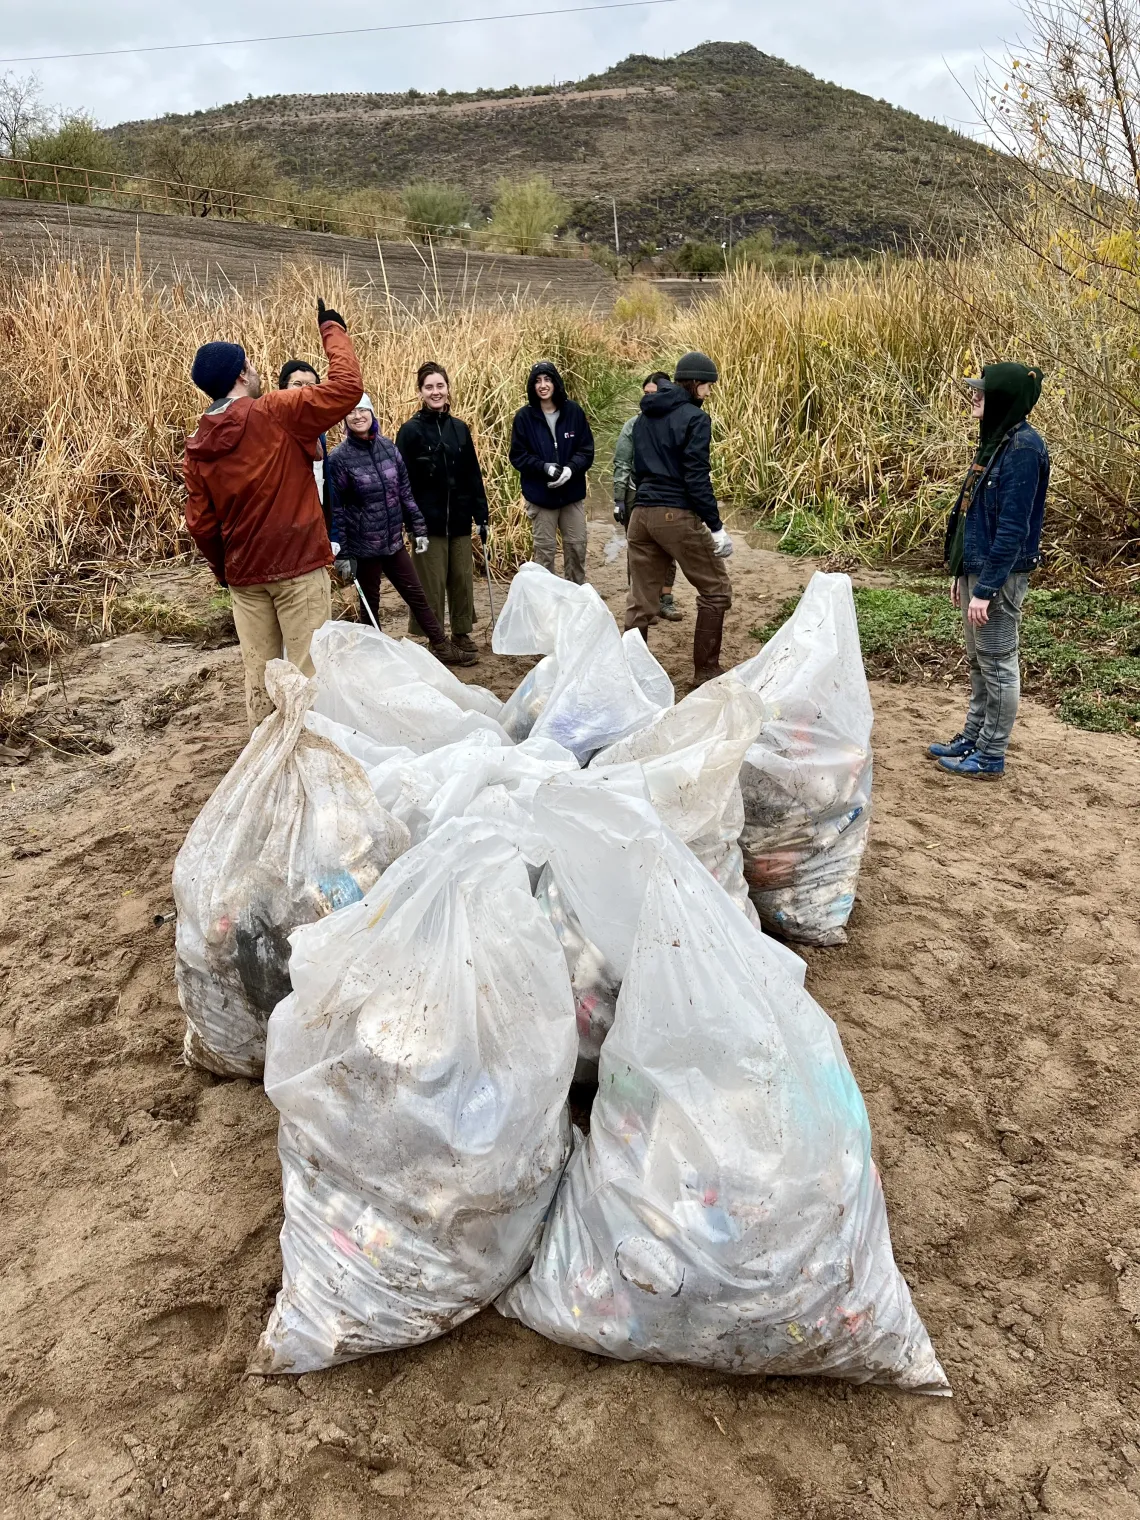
(221,253)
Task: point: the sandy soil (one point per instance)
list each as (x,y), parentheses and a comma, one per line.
(988,1002)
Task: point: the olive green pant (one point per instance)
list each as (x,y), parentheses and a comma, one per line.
(446,573)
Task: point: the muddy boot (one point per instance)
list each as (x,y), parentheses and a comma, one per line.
(466,643)
(706,644)
(447,654)
(669,609)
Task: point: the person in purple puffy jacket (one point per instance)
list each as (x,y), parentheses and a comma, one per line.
(372,506)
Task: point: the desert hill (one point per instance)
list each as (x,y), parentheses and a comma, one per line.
(715,143)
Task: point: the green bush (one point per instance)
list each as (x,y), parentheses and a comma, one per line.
(435,207)
(76,144)
(699,259)
(525,214)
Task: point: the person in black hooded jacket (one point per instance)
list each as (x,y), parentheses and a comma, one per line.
(552,447)
(448,486)
(675,514)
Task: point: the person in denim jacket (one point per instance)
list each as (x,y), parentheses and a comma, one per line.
(993,543)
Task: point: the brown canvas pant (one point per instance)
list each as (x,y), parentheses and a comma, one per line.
(658,536)
(547,523)
(447,574)
(278,618)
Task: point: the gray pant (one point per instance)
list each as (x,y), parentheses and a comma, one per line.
(547,523)
(995,673)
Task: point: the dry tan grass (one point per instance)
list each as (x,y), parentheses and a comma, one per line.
(96,400)
(842,414)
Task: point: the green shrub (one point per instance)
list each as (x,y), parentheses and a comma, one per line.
(525,214)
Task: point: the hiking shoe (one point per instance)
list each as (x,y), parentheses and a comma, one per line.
(447,654)
(980,767)
(668,608)
(956,749)
(466,642)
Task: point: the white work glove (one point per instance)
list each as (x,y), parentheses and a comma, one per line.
(422,546)
(722,544)
(335,547)
(561,479)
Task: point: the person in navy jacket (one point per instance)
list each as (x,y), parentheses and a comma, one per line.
(552,447)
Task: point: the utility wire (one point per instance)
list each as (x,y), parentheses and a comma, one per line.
(350,31)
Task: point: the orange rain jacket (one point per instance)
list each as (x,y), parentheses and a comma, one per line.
(252,505)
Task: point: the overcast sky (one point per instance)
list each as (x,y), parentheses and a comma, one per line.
(905,51)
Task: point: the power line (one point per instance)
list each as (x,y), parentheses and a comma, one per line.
(351,31)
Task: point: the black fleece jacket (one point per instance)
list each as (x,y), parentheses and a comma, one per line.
(444,471)
(672,443)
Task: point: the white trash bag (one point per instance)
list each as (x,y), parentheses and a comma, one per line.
(807,780)
(593,981)
(292,832)
(588,695)
(725,1210)
(421,1069)
(691,755)
(369,682)
(604,837)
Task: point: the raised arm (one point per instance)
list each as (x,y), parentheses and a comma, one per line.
(308,410)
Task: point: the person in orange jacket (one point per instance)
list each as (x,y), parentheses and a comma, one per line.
(252,504)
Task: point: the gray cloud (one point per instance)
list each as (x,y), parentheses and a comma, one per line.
(900,50)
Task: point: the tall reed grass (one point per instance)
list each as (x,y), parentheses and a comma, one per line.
(96,401)
(841,414)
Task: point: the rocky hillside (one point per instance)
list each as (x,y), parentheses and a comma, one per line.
(718,142)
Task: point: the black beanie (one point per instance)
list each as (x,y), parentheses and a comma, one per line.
(293,367)
(696,366)
(216,368)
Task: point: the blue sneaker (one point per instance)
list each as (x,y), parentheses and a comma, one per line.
(985,767)
(958,747)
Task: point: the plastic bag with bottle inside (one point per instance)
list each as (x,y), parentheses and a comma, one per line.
(292,832)
(396,694)
(593,883)
(806,782)
(725,1210)
(589,689)
(421,1069)
(691,755)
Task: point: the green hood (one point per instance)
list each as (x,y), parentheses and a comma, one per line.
(1011,392)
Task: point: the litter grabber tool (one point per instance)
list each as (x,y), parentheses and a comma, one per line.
(364,604)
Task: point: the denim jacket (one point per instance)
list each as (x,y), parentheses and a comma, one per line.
(1005,516)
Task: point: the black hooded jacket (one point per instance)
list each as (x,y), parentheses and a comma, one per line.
(444,471)
(533,447)
(672,440)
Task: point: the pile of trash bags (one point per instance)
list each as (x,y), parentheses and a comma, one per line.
(458,906)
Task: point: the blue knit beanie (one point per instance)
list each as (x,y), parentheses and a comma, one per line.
(216,368)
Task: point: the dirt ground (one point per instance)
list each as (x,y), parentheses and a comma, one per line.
(987,1000)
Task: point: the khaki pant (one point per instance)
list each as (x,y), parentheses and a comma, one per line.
(658,536)
(280,617)
(547,523)
(447,574)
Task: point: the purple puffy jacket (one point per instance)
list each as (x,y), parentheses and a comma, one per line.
(373,498)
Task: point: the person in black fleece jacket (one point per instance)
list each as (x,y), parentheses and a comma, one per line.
(552,447)
(448,486)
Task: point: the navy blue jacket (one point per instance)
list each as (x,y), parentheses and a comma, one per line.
(533,448)
(1005,516)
